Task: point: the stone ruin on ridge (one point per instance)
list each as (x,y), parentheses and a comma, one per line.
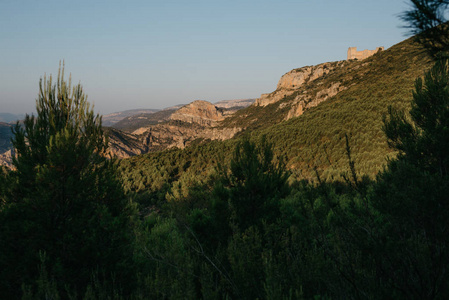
(354,54)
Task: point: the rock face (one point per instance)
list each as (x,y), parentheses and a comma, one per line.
(297,79)
(200,112)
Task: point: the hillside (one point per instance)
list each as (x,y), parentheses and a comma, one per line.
(314,139)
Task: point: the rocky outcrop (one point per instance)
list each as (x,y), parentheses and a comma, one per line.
(296,79)
(200,112)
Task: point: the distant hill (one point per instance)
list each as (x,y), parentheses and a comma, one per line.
(11,118)
(134,122)
(5,136)
(111,119)
(240,103)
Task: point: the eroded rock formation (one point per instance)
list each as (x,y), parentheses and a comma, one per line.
(201,112)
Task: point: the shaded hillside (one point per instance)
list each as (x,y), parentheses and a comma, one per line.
(316,139)
(5,145)
(5,137)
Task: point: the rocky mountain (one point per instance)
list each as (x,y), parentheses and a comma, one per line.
(177,126)
(140,131)
(197,121)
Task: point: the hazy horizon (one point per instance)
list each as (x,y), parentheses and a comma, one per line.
(147,54)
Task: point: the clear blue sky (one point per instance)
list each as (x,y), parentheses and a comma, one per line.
(155,54)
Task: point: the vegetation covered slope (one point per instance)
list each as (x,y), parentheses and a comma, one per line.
(315,139)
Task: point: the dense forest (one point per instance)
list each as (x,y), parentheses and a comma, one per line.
(77,224)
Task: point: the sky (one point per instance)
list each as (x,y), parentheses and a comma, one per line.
(156,54)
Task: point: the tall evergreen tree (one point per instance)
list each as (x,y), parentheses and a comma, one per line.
(63,199)
(256,183)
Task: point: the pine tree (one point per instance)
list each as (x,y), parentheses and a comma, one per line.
(64,199)
(256,183)
(411,195)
